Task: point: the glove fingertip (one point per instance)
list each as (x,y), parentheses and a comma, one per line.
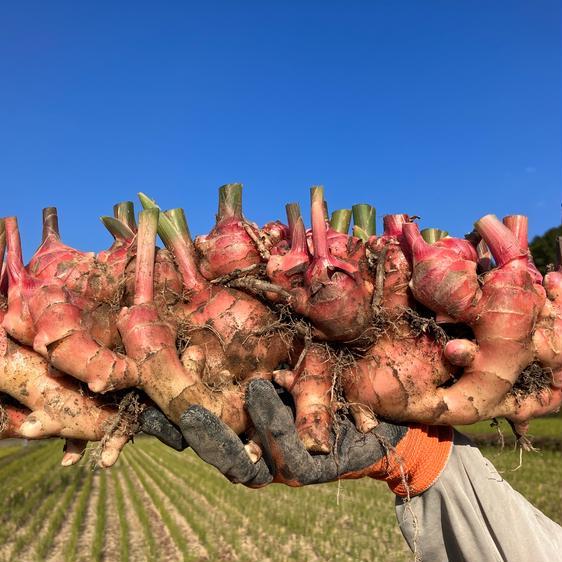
(155,423)
(262,478)
(257,389)
(195,414)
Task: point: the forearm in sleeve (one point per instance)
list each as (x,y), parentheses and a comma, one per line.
(472,514)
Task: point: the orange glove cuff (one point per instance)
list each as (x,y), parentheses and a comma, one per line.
(417,461)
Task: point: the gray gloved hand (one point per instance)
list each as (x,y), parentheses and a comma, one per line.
(285,459)
(153,422)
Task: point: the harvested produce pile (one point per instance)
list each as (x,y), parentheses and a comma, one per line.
(407,326)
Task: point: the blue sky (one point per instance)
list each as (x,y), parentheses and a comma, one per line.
(447,110)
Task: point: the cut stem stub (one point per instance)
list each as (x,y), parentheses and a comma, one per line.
(177,216)
(2,240)
(230,201)
(50,223)
(118,229)
(181,248)
(340,221)
(519,225)
(502,242)
(125,212)
(319,236)
(431,235)
(146,251)
(293,211)
(364,219)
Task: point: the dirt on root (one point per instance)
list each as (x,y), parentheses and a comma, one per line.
(532,381)
(126,422)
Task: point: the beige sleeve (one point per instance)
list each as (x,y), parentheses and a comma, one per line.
(472,514)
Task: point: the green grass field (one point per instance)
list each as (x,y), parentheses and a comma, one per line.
(156,504)
(549,427)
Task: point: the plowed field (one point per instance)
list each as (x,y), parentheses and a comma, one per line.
(156,504)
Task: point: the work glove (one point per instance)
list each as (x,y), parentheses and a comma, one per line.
(153,422)
(409,458)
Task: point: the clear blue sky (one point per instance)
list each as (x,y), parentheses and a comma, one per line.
(448,110)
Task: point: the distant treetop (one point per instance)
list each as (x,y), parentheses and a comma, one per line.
(546,247)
